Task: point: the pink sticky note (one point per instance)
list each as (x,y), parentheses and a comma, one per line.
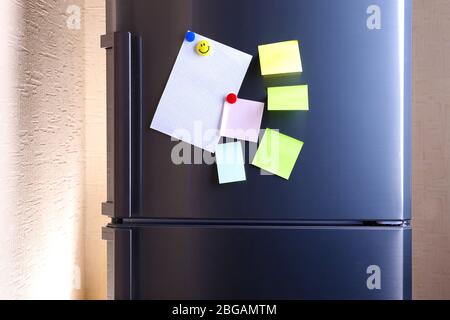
(242,120)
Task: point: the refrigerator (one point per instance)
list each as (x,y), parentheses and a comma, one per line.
(340,228)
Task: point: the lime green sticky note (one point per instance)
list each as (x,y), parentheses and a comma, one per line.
(280,58)
(288,98)
(277,153)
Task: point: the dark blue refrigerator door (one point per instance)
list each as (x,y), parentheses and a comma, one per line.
(355,164)
(249,262)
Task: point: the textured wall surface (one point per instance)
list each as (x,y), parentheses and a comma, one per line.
(43,179)
(53,149)
(9,17)
(431,149)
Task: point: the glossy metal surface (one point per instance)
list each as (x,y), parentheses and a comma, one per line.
(249,262)
(356,161)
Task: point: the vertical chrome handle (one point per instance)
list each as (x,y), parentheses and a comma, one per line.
(120,114)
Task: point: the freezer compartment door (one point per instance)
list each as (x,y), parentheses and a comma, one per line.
(251,262)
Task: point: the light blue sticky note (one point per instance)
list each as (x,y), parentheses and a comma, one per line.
(230,162)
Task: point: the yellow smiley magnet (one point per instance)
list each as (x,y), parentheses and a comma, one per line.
(203,48)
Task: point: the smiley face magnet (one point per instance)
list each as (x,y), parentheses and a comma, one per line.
(203,48)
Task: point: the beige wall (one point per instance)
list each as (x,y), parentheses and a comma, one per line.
(41,147)
(431,149)
(52,146)
(95,104)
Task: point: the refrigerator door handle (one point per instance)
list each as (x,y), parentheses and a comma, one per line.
(122,109)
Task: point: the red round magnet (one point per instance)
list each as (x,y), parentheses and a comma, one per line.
(231,98)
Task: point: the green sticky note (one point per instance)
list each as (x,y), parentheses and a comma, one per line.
(288,98)
(280,58)
(277,153)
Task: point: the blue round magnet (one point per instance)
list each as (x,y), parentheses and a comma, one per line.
(190,36)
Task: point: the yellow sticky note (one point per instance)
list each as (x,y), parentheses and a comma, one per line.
(288,98)
(280,58)
(277,153)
